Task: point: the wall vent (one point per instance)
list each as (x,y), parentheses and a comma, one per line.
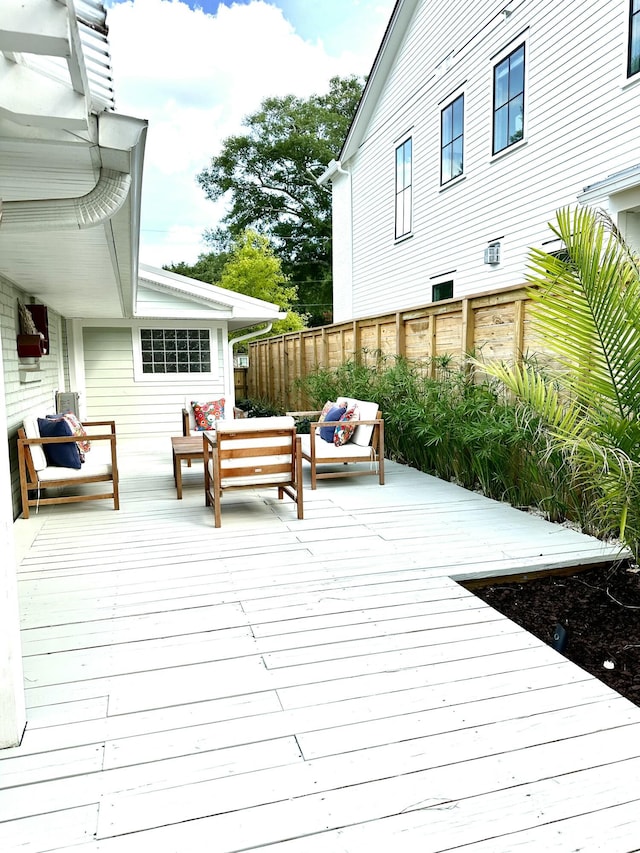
(492,254)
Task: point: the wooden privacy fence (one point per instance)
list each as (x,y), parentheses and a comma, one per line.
(493,326)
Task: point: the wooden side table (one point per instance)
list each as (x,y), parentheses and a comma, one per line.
(183,448)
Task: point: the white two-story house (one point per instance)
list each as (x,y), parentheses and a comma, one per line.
(478,121)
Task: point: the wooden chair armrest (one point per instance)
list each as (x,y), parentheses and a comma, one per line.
(65,439)
(209,438)
(185,423)
(111,424)
(311,414)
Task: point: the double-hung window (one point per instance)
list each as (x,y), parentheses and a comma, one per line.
(451,140)
(508,100)
(403,188)
(633,59)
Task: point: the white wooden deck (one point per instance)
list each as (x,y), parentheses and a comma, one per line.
(315,686)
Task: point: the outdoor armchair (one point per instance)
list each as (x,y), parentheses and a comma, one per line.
(252,453)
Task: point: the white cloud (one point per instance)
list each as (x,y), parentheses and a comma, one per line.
(195,76)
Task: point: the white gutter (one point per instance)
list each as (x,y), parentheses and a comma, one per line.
(69,214)
(248,337)
(334,168)
(256,333)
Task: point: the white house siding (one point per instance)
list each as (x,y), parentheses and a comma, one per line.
(157,303)
(342,248)
(581,119)
(112,392)
(36,394)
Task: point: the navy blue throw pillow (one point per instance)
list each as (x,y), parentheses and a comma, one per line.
(332,415)
(65,454)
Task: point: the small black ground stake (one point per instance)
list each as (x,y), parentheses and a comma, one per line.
(560,638)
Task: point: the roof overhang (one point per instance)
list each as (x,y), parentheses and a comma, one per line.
(188,298)
(70,167)
(625,181)
(392,40)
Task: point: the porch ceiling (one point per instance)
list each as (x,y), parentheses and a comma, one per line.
(70,167)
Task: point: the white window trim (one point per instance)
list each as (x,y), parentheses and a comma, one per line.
(627,82)
(398,144)
(216,348)
(521,41)
(450,100)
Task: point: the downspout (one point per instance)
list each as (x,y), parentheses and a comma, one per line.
(68,214)
(232,343)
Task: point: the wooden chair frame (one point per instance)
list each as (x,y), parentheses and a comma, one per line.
(251,468)
(348,454)
(30,479)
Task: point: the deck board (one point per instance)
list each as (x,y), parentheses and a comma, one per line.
(308,685)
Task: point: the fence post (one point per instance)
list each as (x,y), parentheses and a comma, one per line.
(467,333)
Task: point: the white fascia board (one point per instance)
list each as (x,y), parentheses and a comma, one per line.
(392,40)
(238,304)
(617,183)
(121,145)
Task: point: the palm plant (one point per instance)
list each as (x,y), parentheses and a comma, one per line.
(587,312)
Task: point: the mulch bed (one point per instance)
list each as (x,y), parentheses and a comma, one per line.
(598,608)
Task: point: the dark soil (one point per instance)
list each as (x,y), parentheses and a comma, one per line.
(598,608)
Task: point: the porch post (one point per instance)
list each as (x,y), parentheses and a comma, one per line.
(12,701)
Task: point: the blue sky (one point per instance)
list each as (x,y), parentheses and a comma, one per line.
(195,68)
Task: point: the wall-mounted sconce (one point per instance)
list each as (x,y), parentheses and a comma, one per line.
(33,340)
(31,346)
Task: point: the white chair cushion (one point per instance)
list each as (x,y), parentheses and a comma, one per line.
(366,412)
(254,424)
(327,451)
(51,474)
(30,426)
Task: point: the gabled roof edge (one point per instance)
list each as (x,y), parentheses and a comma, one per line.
(393,37)
(202,291)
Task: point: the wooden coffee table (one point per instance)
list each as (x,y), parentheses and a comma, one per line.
(185,448)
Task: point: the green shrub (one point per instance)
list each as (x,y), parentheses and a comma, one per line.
(259,407)
(455,429)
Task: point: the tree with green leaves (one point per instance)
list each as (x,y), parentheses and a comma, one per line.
(587,301)
(254,270)
(269,173)
(207,268)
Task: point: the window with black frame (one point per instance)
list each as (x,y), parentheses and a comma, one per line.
(404,156)
(442,290)
(508,100)
(451,140)
(633,59)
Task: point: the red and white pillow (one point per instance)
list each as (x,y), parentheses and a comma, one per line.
(207,413)
(346,428)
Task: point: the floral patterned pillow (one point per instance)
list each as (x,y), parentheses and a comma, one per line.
(346,428)
(206,414)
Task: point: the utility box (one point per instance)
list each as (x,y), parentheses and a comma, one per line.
(68,401)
